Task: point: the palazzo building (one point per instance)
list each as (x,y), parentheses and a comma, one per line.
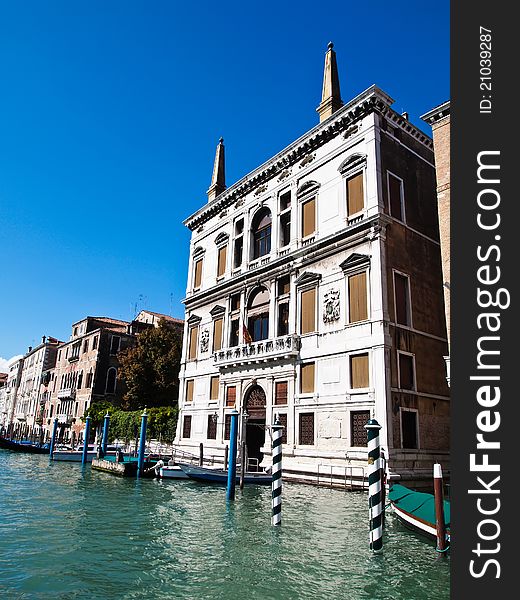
(314,295)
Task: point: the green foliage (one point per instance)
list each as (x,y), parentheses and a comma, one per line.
(150,370)
(126,425)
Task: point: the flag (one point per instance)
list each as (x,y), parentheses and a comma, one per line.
(247,337)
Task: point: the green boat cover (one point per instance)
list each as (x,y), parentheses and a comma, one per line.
(417,503)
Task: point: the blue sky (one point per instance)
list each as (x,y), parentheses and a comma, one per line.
(109,117)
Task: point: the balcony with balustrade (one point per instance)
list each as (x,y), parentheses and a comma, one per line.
(283,347)
(67,393)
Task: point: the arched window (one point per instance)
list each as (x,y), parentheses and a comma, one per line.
(111,381)
(261,230)
(258,315)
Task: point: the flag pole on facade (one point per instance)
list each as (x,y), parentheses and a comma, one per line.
(375,504)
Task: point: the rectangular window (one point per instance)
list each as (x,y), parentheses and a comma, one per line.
(357,297)
(259,327)
(222,256)
(197,280)
(308,311)
(306,429)
(359,371)
(235,302)
(395,195)
(186,426)
(213,388)
(307,378)
(285,229)
(94,343)
(355,196)
(231,396)
(192,350)
(212,428)
(309,218)
(284,285)
(114,344)
(283,318)
(406,371)
(227,427)
(283,422)
(285,201)
(85,346)
(239,251)
(234,332)
(280,396)
(217,334)
(409,429)
(402,299)
(189,390)
(358,433)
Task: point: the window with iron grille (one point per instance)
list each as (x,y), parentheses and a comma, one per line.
(358,420)
(306,429)
(227,427)
(280,396)
(186,426)
(283,421)
(212,428)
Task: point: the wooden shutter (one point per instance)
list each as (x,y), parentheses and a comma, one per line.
(198,274)
(401,299)
(357,294)
(213,391)
(307,378)
(359,371)
(189,390)
(355,196)
(212,428)
(308,311)
(217,334)
(194,334)
(222,255)
(309,218)
(231,396)
(358,433)
(306,429)
(280,396)
(186,426)
(283,422)
(394,191)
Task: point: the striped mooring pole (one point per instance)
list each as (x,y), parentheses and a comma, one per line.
(142,444)
(375,503)
(276,486)
(86,437)
(232,465)
(53,438)
(104,439)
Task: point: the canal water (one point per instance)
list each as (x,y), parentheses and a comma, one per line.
(68,533)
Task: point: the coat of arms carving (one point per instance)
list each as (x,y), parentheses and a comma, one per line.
(331,306)
(204,340)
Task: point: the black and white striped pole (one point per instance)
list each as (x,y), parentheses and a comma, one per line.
(276,518)
(375,500)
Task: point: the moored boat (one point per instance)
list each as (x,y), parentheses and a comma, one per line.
(416,510)
(77,455)
(209,475)
(24,446)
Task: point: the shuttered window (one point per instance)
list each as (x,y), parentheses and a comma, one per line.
(359,371)
(198,274)
(186,426)
(358,420)
(306,429)
(222,255)
(192,351)
(227,427)
(395,196)
(217,334)
(189,390)
(212,428)
(283,422)
(402,306)
(355,196)
(309,217)
(308,311)
(280,396)
(307,378)
(357,297)
(213,388)
(231,396)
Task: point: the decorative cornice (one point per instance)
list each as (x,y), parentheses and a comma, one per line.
(308,278)
(217,311)
(309,187)
(198,252)
(221,238)
(353,161)
(355,261)
(437,114)
(194,320)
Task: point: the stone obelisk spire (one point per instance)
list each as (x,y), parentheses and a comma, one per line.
(330,96)
(218,180)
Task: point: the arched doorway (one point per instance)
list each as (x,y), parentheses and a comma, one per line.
(254,405)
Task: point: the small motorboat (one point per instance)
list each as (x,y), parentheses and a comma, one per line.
(169,471)
(24,446)
(77,455)
(209,475)
(416,510)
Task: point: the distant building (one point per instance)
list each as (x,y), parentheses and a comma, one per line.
(314,295)
(153,318)
(3,400)
(439,119)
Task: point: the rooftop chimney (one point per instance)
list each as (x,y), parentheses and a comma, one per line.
(218,180)
(330,95)
(30,348)
(43,339)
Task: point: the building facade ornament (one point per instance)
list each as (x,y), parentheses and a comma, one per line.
(331,306)
(204,340)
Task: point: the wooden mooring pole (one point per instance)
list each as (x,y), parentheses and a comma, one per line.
(201,454)
(243,461)
(440,523)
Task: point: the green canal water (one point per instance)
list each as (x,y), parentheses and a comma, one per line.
(68,533)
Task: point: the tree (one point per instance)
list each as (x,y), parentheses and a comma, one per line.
(150,370)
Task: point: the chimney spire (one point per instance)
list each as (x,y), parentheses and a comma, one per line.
(218,180)
(330,96)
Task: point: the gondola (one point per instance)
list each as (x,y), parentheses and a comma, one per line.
(206,475)
(23,446)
